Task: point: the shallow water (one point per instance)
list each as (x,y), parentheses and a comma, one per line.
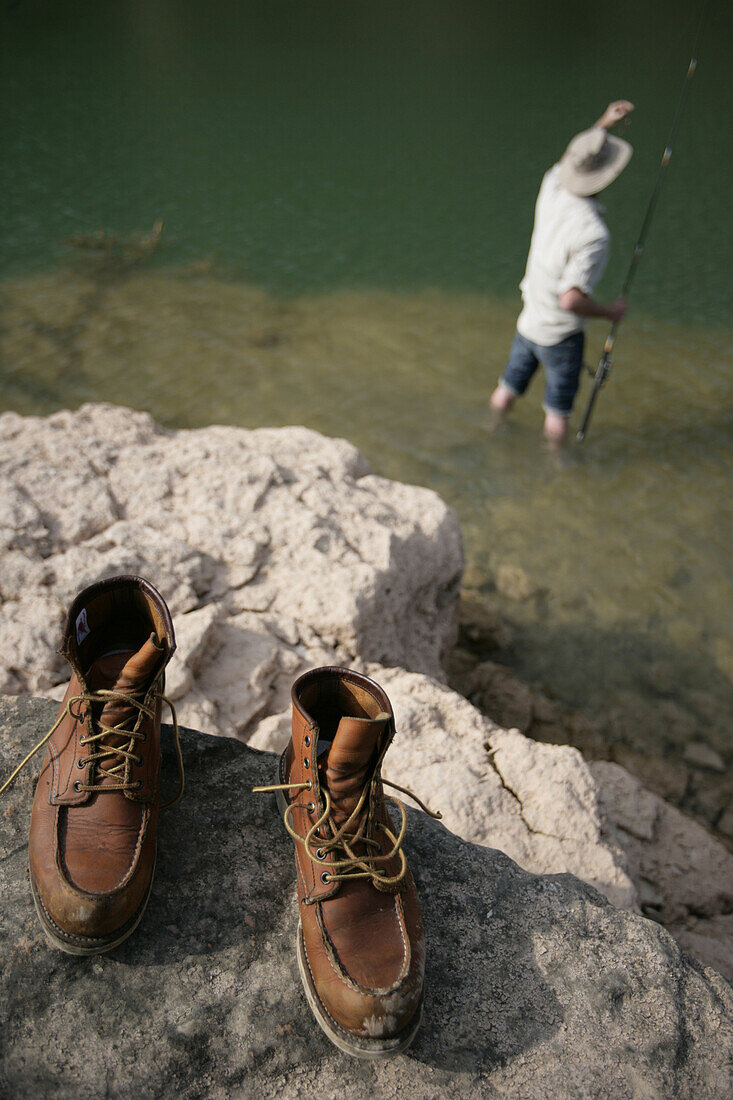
(347,194)
(626,542)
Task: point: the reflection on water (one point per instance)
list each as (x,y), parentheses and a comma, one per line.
(626,546)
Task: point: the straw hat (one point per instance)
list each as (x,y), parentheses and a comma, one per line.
(592,160)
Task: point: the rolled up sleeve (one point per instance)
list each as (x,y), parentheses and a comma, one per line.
(585,265)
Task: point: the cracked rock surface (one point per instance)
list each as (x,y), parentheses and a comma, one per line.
(537,803)
(536,986)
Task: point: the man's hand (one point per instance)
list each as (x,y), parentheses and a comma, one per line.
(617,310)
(614,113)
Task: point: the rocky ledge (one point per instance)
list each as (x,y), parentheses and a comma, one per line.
(536,986)
(278,550)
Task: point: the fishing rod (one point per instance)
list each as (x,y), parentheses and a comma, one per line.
(604,366)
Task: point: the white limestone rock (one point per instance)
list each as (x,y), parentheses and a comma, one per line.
(194,641)
(183,573)
(537,803)
(29,641)
(21,523)
(303,554)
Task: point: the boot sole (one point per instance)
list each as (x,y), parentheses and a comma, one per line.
(86,945)
(346,1041)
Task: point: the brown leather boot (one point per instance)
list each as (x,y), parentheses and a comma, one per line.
(361,942)
(95,812)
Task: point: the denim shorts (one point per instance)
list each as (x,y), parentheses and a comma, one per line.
(563,363)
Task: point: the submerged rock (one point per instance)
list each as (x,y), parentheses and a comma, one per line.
(514,583)
(701,755)
(498,692)
(667,778)
(535,985)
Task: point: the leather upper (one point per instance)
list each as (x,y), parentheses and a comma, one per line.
(364,942)
(92,851)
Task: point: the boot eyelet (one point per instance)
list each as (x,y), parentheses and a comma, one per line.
(325,877)
(320,853)
(137,761)
(309,786)
(307,741)
(306,762)
(311,807)
(137,784)
(81,762)
(77,786)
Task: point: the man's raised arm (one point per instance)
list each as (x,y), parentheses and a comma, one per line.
(614,113)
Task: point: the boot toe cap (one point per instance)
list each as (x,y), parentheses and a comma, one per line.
(360,1020)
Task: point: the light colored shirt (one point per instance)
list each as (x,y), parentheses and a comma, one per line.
(569,248)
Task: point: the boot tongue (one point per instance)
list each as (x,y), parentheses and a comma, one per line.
(346,766)
(131,674)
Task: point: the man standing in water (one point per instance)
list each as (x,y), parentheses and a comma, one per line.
(567,256)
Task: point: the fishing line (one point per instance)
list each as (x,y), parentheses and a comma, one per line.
(604,365)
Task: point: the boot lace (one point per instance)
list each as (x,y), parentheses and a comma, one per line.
(352,832)
(102,754)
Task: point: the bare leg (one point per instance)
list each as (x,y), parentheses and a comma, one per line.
(556,428)
(502,400)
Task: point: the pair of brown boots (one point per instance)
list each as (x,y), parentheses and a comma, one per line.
(361,942)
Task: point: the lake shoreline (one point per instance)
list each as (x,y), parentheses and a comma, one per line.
(620,612)
(481,669)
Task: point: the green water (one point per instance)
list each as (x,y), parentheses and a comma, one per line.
(361,180)
(326,144)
